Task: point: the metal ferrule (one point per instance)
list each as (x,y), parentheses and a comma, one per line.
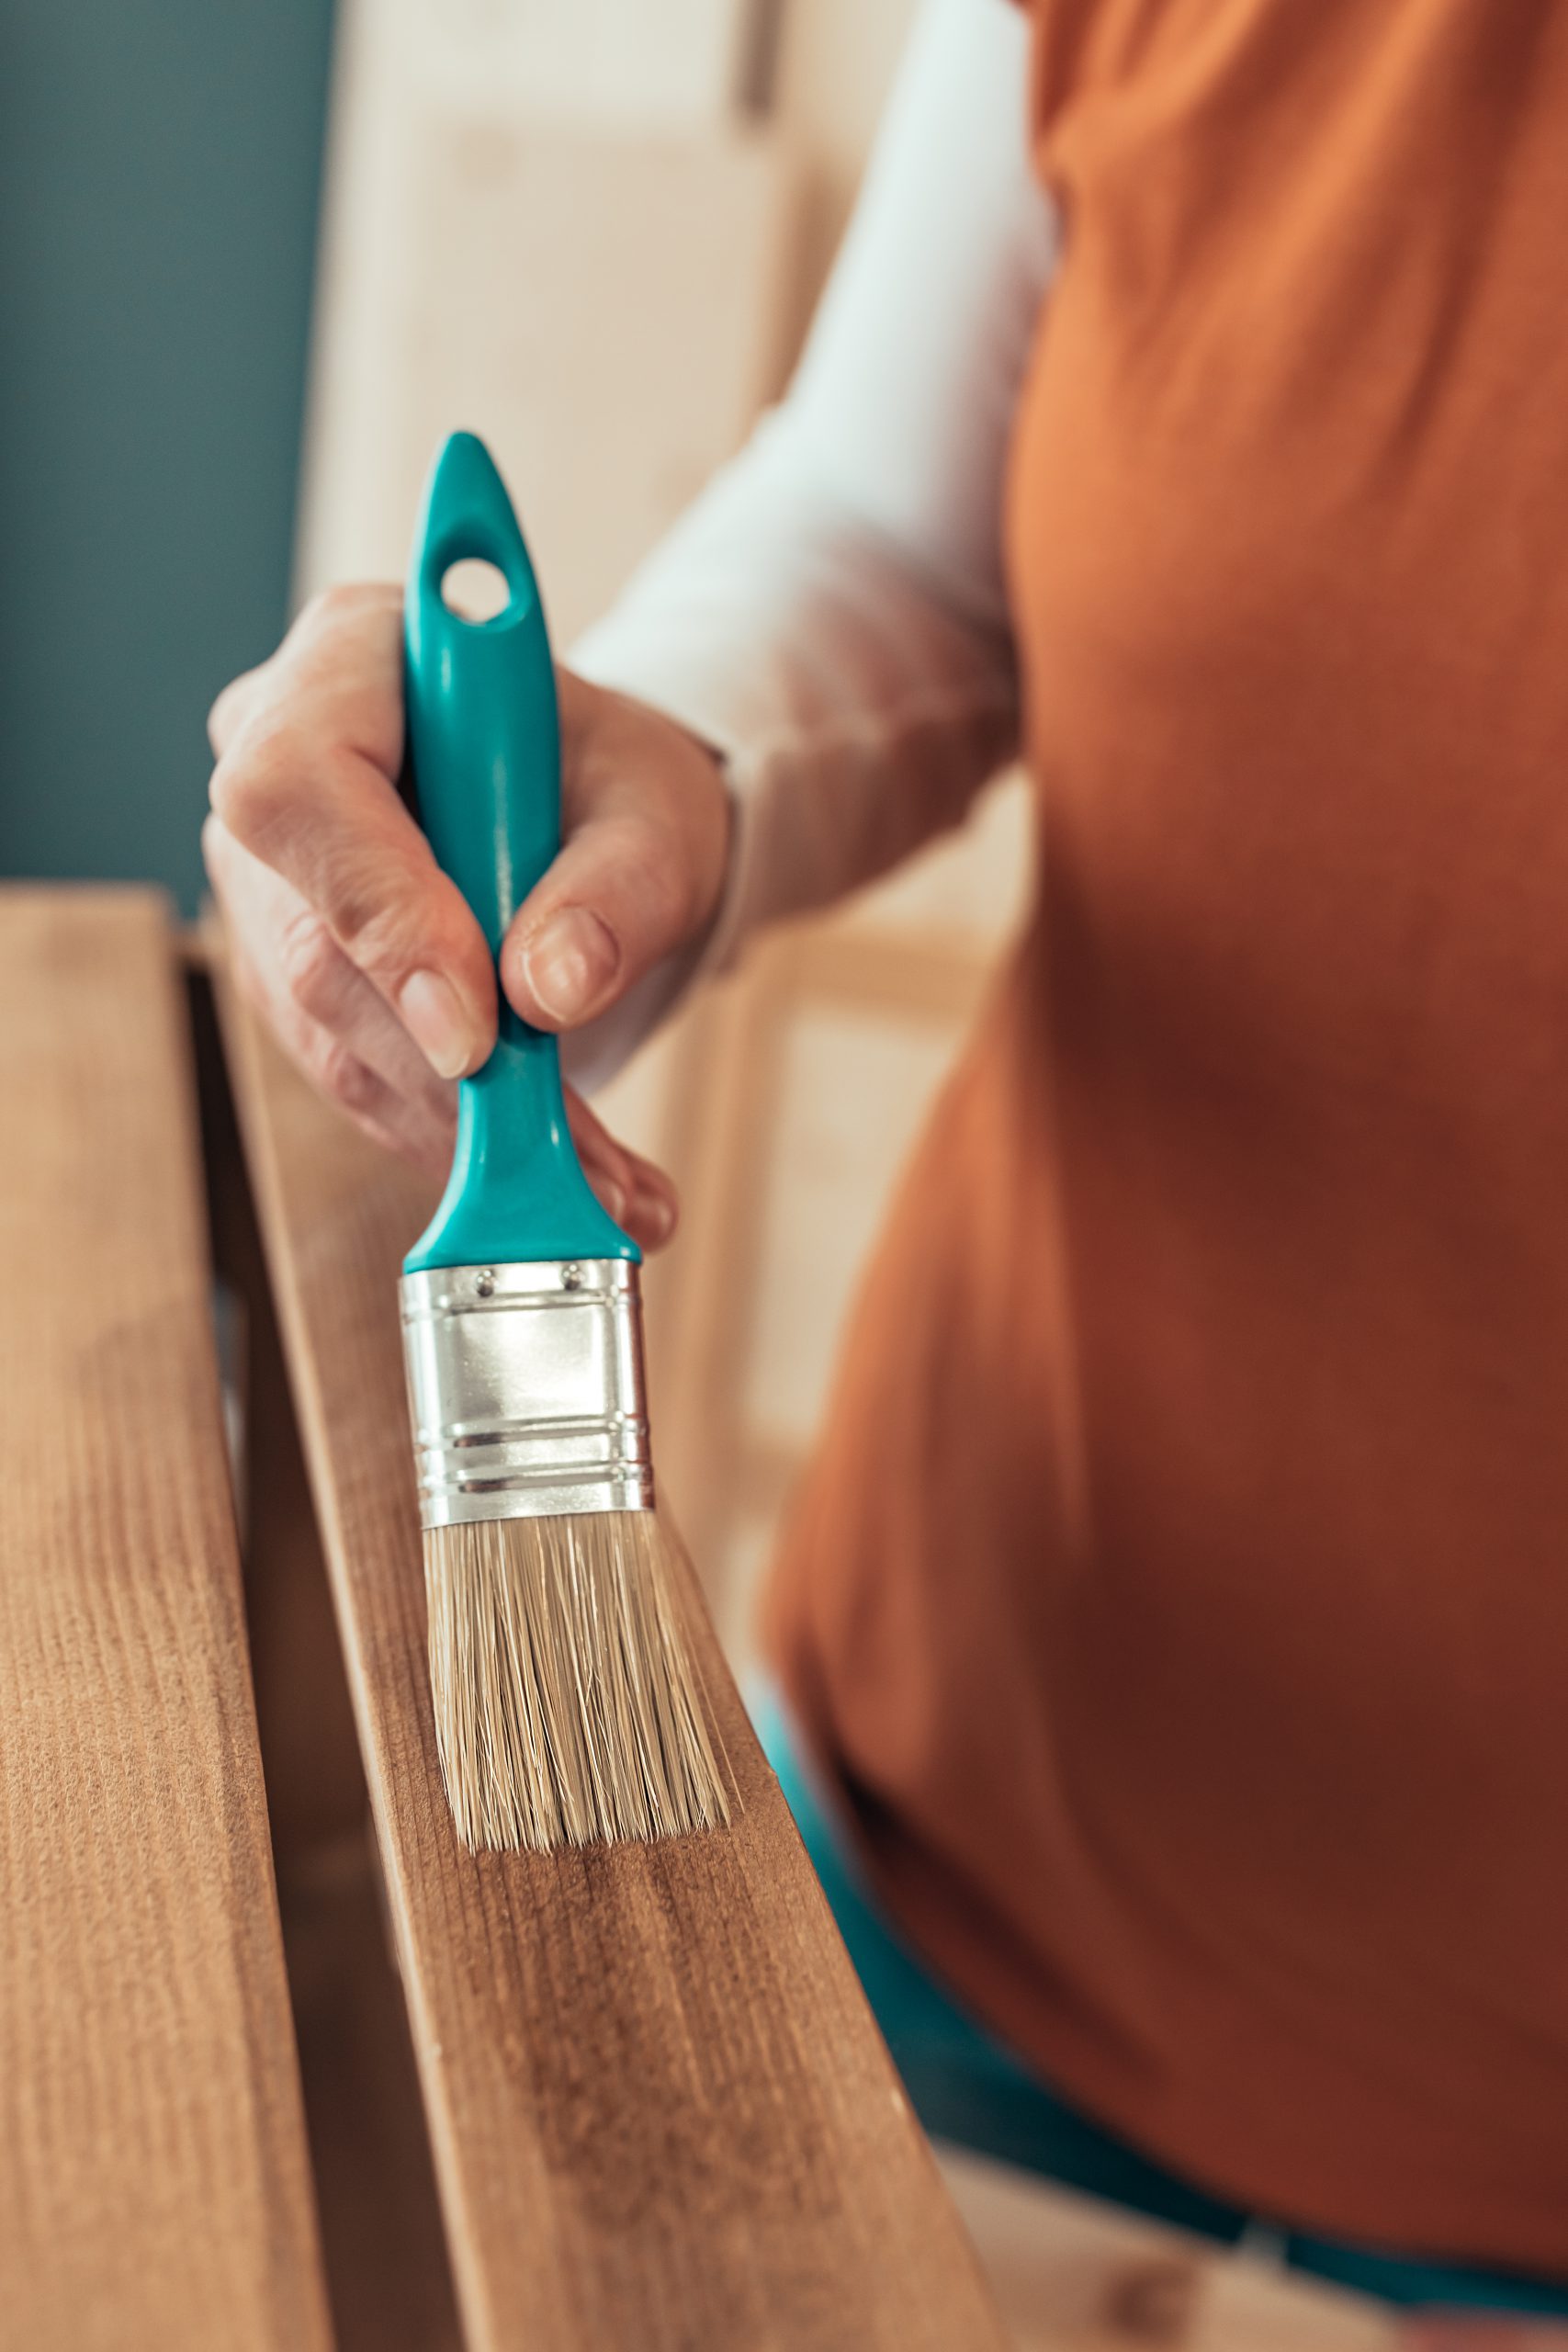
(527,1390)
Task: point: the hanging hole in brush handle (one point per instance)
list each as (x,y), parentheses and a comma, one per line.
(474,590)
(484,749)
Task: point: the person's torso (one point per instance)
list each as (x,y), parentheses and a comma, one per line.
(1205,1687)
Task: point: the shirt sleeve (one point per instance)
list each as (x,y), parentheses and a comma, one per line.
(830,613)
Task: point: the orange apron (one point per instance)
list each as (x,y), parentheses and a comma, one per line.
(1179,1597)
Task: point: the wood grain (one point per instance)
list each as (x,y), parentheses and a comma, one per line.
(662,2114)
(154,2190)
(389,2281)
(315,1785)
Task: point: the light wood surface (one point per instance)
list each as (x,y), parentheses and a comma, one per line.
(155,2191)
(605,308)
(388,2280)
(660,2114)
(1074,2275)
(613,62)
(315,1787)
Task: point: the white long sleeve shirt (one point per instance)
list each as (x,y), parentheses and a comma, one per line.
(830,613)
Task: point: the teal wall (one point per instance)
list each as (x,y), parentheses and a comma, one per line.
(159,175)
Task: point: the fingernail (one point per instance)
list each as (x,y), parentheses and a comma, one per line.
(434,1016)
(570,961)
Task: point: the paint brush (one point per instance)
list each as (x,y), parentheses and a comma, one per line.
(569,1706)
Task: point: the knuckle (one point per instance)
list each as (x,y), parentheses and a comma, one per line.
(338,618)
(378,912)
(218,718)
(213,849)
(256,785)
(343,1078)
(327,607)
(224,788)
(362,919)
(226,715)
(373,931)
(308,963)
(342,598)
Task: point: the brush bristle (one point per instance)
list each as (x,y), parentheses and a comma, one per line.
(569,1707)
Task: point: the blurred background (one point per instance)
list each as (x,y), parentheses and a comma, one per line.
(253,263)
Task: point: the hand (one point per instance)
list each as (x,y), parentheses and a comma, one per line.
(365,958)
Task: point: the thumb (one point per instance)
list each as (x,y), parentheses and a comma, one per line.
(608,910)
(640,872)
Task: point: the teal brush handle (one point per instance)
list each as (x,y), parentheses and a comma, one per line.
(484,742)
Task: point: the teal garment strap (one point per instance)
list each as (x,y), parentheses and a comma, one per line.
(967,2086)
(1426,2286)
(484,750)
(963,2083)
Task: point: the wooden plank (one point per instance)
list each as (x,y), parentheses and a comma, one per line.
(462,232)
(662,2114)
(679,67)
(155,2190)
(315,1786)
(388,2277)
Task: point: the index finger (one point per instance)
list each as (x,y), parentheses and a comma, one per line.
(307,783)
